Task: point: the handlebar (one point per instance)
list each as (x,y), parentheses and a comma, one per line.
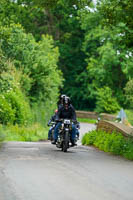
(61,120)
(51,123)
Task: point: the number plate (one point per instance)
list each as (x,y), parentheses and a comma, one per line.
(66,121)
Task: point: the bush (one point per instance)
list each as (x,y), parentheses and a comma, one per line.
(7,114)
(114,143)
(41,77)
(89,139)
(105,102)
(32,72)
(129,114)
(129,93)
(128,149)
(20,107)
(14,107)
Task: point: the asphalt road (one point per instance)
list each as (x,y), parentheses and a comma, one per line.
(40,171)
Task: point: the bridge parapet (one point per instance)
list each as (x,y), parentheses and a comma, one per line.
(109,126)
(95,115)
(86,114)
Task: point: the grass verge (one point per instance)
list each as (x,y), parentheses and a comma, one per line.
(114,143)
(129,114)
(87,120)
(32,133)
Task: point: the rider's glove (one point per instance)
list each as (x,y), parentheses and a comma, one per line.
(78,125)
(49,123)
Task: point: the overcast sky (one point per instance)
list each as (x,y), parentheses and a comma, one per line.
(95,1)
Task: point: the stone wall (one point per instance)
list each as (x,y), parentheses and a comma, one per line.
(108,117)
(85,114)
(106,122)
(114,126)
(94,115)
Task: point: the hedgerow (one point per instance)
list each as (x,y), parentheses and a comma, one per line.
(114,143)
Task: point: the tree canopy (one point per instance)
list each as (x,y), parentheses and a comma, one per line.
(72,47)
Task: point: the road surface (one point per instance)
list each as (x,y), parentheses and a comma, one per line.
(40,171)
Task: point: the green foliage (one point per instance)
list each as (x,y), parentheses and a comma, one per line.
(129,114)
(105,101)
(20,106)
(37,61)
(28,74)
(128,151)
(88,139)
(129,93)
(14,105)
(7,114)
(14,108)
(109,57)
(113,15)
(114,143)
(43,112)
(2,134)
(95,47)
(87,120)
(60,19)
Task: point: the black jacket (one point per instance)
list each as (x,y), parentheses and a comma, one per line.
(66,114)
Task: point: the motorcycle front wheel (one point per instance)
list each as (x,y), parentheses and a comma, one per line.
(65,144)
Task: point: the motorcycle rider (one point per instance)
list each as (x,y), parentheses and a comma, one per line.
(61,99)
(66,111)
(60,104)
(51,128)
(77,124)
(63,96)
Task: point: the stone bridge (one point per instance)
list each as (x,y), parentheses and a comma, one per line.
(107,122)
(109,126)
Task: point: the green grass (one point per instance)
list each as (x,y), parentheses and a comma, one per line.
(87,120)
(114,143)
(21,133)
(129,114)
(2,134)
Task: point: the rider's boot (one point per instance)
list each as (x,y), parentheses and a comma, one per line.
(73,143)
(54,142)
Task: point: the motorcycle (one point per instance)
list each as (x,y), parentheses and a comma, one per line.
(52,124)
(64,137)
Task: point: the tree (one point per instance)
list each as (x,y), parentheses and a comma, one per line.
(37,60)
(105,102)
(60,19)
(14,105)
(109,59)
(113,16)
(129,93)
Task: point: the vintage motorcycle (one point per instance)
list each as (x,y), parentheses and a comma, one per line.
(64,137)
(52,124)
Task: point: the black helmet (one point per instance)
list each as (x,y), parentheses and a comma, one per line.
(62,97)
(66,101)
(69,100)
